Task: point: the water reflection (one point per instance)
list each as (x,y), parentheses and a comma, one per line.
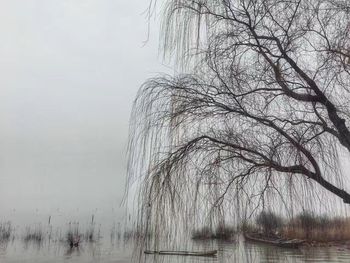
(242,251)
(108,250)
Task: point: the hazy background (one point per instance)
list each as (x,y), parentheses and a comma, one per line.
(69,72)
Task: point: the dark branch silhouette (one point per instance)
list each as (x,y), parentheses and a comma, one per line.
(263,105)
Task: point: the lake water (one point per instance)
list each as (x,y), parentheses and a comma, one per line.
(110,248)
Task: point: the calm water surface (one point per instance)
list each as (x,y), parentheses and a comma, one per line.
(108,250)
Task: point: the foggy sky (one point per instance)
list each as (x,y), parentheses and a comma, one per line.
(69,73)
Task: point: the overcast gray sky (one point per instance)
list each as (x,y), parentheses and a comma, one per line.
(69,72)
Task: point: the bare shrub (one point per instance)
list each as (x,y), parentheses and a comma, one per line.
(222,232)
(269,222)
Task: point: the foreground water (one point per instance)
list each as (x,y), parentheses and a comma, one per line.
(117,250)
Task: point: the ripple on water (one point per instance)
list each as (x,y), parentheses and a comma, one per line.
(121,252)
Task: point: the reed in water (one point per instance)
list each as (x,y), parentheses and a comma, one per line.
(321,229)
(5,231)
(307,226)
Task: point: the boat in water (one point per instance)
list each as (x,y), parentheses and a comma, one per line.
(210,253)
(276,241)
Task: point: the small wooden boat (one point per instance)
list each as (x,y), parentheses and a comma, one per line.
(184,253)
(280,242)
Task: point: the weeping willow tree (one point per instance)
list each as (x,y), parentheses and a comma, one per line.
(258,116)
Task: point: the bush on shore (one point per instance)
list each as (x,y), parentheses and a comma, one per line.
(269,223)
(220,232)
(305,226)
(312,228)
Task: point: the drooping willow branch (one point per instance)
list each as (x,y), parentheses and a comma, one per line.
(265,108)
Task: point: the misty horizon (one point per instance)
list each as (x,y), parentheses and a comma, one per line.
(70,72)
